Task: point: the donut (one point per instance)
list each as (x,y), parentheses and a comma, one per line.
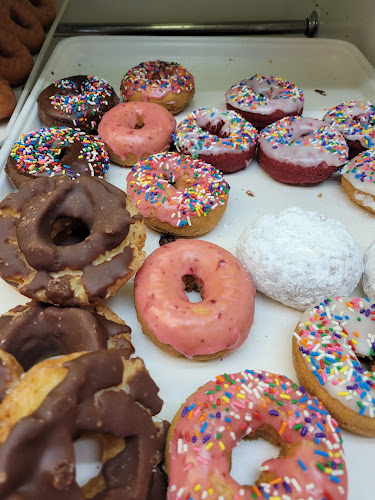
(297,256)
(177,194)
(8,100)
(37,330)
(16,62)
(132,131)
(249,405)
(368,278)
(10,373)
(58,400)
(69,242)
(217,136)
(299,150)
(356,121)
(262,100)
(44,11)
(50,152)
(76,101)
(165,83)
(219,324)
(328,344)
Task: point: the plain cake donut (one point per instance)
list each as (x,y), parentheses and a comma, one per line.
(16,62)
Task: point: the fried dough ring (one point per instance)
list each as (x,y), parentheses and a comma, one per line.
(16,62)
(44,11)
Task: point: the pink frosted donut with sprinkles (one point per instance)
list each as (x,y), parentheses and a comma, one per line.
(358,179)
(217,136)
(299,150)
(249,405)
(329,342)
(76,101)
(49,152)
(262,100)
(177,194)
(356,121)
(166,83)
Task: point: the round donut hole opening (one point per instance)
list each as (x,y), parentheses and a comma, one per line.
(68,231)
(14,15)
(193,288)
(217,129)
(140,122)
(88,460)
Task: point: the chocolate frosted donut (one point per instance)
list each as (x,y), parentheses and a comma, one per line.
(69,242)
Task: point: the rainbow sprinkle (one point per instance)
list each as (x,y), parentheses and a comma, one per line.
(362,167)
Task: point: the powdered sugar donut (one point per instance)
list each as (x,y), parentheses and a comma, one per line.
(368,278)
(358,179)
(299,256)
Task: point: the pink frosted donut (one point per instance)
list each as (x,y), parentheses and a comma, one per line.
(136,130)
(249,405)
(208,329)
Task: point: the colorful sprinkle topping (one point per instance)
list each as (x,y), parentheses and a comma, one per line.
(362,167)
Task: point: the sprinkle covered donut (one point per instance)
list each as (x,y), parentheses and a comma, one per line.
(165,83)
(330,339)
(298,150)
(177,194)
(217,136)
(262,100)
(249,405)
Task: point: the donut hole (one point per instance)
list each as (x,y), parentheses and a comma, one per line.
(87,451)
(217,129)
(193,288)
(367,362)
(140,122)
(19,20)
(67,231)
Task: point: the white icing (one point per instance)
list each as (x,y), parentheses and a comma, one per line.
(368,280)
(360,172)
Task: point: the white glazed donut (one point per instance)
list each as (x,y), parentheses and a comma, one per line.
(368,279)
(297,257)
(358,179)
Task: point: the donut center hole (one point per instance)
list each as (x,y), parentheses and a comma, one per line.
(367,362)
(62,152)
(157,76)
(216,129)
(140,122)
(87,451)
(67,231)
(16,18)
(193,288)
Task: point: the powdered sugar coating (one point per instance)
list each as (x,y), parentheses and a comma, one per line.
(368,280)
(298,256)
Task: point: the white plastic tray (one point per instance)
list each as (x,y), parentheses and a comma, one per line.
(335,67)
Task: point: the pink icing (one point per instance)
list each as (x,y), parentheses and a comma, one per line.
(222,320)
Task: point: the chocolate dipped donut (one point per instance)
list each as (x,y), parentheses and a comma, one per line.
(10,373)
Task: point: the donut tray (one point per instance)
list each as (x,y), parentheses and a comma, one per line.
(328,72)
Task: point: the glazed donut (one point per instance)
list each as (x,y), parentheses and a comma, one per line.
(358,179)
(50,152)
(36,331)
(298,150)
(178,195)
(16,62)
(160,82)
(325,259)
(76,101)
(249,405)
(329,341)
(132,131)
(44,11)
(10,373)
(8,100)
(58,400)
(69,242)
(356,121)
(220,323)
(262,100)
(217,136)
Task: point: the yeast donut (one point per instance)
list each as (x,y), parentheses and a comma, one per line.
(165,83)
(178,195)
(220,323)
(299,150)
(217,136)
(8,100)
(44,11)
(76,101)
(132,131)
(69,242)
(262,100)
(329,342)
(249,405)
(16,62)
(54,152)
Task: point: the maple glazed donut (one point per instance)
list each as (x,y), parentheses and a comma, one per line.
(249,405)
(330,339)
(132,131)
(165,83)
(262,100)
(50,152)
(217,136)
(220,323)
(69,242)
(76,101)
(299,150)
(16,62)
(177,194)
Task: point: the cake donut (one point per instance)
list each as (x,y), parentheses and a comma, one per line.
(217,136)
(69,242)
(177,194)
(58,400)
(8,100)
(220,323)
(299,150)
(16,62)
(249,405)
(165,83)
(76,101)
(132,131)
(44,11)
(298,256)
(262,100)
(56,151)
(328,344)
(356,121)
